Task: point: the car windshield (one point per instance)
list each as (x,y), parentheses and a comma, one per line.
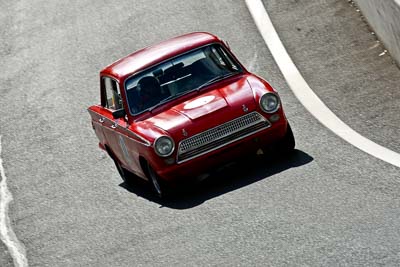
(180,75)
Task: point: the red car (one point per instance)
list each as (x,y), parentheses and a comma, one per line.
(179,108)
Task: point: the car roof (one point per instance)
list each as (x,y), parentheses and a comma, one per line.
(141,59)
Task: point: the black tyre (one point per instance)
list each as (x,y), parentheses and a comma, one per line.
(157,184)
(287,143)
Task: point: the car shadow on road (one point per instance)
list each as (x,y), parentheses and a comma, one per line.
(226,179)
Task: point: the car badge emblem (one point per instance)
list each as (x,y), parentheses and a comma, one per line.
(184,132)
(245,108)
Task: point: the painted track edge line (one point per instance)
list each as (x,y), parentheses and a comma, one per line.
(306,95)
(7,235)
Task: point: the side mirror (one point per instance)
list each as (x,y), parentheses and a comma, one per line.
(119,113)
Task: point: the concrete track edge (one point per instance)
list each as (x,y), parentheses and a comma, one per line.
(384,19)
(305,94)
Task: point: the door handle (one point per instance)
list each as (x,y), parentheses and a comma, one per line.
(101,120)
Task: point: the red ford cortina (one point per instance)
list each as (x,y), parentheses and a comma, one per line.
(182,107)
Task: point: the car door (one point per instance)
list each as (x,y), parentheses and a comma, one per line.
(102,115)
(111,126)
(118,138)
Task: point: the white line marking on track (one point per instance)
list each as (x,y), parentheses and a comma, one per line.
(7,235)
(305,94)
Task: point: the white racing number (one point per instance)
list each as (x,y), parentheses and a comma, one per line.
(124,149)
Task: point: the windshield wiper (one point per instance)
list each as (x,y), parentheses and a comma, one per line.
(215,79)
(167,100)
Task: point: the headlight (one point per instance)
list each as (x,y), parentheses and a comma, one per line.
(164,146)
(269,102)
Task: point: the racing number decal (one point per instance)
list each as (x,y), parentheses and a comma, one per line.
(124,149)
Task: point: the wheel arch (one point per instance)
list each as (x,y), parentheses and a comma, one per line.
(109,152)
(144,165)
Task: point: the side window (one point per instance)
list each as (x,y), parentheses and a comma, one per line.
(112,94)
(228,59)
(222,59)
(218,56)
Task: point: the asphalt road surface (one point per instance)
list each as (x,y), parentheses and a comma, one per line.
(328,204)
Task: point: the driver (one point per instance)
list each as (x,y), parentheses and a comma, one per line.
(149,92)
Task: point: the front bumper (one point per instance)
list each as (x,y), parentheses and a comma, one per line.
(216,158)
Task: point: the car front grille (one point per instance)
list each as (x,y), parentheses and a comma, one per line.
(220,136)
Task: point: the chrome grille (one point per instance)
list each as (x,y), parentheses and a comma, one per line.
(221,135)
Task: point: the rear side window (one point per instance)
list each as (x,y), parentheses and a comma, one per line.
(112,95)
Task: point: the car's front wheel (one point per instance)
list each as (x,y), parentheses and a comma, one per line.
(287,143)
(157,184)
